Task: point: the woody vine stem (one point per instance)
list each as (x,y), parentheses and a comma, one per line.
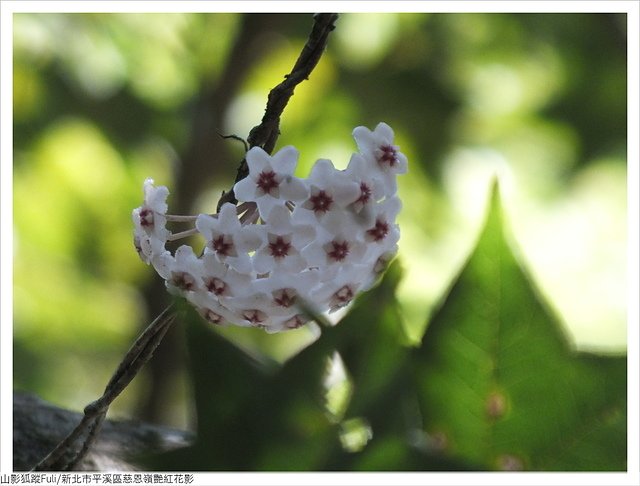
(73,448)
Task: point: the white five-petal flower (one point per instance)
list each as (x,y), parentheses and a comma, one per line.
(370,186)
(282,243)
(343,286)
(378,148)
(228,239)
(339,242)
(150,233)
(329,189)
(271,181)
(182,272)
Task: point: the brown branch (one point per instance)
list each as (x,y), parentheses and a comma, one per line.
(39,426)
(64,456)
(266,133)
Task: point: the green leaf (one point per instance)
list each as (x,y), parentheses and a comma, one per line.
(375,349)
(499,383)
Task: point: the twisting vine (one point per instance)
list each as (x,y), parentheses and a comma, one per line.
(75,446)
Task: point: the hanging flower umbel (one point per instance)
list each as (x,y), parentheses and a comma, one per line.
(320,240)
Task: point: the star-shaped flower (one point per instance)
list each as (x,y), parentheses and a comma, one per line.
(378,149)
(282,243)
(151,214)
(286,292)
(343,286)
(329,189)
(182,272)
(270,181)
(383,227)
(222,281)
(337,243)
(150,233)
(228,239)
(148,246)
(369,182)
(213,311)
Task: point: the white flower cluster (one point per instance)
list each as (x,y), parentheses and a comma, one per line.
(319,240)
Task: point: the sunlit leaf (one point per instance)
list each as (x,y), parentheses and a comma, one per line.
(499,383)
(374,348)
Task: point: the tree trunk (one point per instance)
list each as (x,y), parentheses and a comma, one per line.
(38,427)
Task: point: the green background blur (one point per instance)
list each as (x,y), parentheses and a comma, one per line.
(102,101)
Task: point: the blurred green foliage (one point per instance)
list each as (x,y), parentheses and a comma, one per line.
(102,101)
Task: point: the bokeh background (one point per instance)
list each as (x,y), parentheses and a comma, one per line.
(102,101)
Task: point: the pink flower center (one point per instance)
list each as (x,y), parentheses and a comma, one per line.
(223,245)
(337,250)
(342,297)
(215,285)
(146,218)
(212,317)
(320,202)
(295,322)
(379,231)
(387,154)
(365,194)
(254,316)
(279,247)
(183,280)
(284,297)
(267,183)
